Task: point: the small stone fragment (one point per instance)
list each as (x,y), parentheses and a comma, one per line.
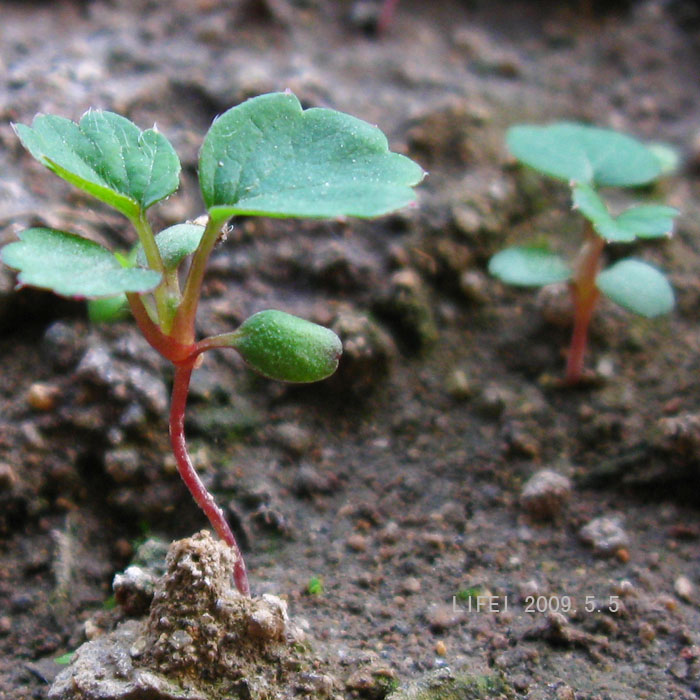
(408,306)
(293,438)
(411,585)
(684,588)
(492,401)
(357,542)
(133,590)
(62,345)
(647,633)
(565,692)
(310,481)
(475,286)
(123,464)
(458,385)
(555,304)
(42,397)
(268,622)
(8,477)
(441,617)
(545,494)
(605,535)
(368,350)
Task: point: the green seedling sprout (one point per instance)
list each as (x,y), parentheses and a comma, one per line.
(264,157)
(590,158)
(315,586)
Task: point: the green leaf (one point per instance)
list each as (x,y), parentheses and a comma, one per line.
(643,221)
(648,220)
(668,157)
(637,287)
(73,266)
(65,659)
(108,309)
(269,157)
(584,154)
(288,348)
(528,266)
(107,156)
(174,244)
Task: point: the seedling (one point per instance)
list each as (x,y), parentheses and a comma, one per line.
(589,158)
(264,157)
(315,586)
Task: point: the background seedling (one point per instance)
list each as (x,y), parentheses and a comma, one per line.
(589,158)
(265,157)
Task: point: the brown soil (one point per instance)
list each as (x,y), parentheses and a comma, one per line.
(399,483)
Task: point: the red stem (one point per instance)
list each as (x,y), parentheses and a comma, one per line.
(579,338)
(204,499)
(585,295)
(165,345)
(386,15)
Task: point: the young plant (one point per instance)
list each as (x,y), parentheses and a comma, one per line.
(589,158)
(264,157)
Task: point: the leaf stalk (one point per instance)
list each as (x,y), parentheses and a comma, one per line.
(183,324)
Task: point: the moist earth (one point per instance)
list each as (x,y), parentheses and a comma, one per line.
(441,514)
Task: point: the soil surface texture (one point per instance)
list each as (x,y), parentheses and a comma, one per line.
(441,516)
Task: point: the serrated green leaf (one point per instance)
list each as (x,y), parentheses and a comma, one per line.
(174,244)
(287,348)
(638,287)
(643,221)
(529,266)
(72,266)
(269,157)
(107,156)
(584,154)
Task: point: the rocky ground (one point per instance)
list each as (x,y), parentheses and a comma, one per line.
(451,508)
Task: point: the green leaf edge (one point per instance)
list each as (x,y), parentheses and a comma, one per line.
(404,194)
(500,264)
(174,243)
(518,136)
(609,282)
(619,229)
(32,139)
(13,254)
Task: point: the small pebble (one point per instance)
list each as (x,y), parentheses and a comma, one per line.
(605,535)
(292,438)
(474,285)
(647,633)
(390,533)
(545,494)
(458,385)
(441,617)
(8,477)
(411,585)
(492,401)
(42,397)
(440,648)
(357,542)
(683,588)
(565,692)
